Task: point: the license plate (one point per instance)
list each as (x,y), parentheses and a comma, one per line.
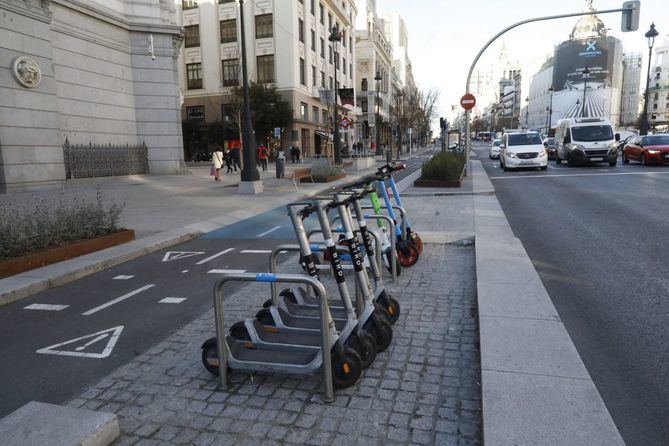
(597,159)
(526,163)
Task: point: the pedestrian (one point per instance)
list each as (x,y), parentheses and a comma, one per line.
(228,161)
(217,162)
(263,155)
(234,154)
(291,149)
(298,153)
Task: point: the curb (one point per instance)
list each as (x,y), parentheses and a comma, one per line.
(535,387)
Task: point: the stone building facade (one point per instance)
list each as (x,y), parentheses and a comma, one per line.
(95,71)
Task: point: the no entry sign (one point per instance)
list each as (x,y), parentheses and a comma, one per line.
(468,101)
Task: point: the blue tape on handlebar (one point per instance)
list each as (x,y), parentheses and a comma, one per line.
(265,277)
(338,229)
(315,248)
(346,257)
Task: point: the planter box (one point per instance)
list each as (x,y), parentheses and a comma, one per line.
(55,255)
(440,183)
(357,164)
(324,180)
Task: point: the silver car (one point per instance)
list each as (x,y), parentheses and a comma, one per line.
(494,149)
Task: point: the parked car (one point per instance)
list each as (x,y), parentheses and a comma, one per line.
(551,147)
(649,149)
(586,140)
(494,149)
(522,149)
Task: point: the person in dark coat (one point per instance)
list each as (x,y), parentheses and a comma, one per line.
(234,155)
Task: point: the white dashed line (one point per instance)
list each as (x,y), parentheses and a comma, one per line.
(510,177)
(267,232)
(226,271)
(122,277)
(172,300)
(45,307)
(256,251)
(117,300)
(214,256)
(184,271)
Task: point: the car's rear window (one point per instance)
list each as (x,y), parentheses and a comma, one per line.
(656,140)
(496,143)
(524,139)
(550,141)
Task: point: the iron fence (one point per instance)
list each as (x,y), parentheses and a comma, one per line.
(87,161)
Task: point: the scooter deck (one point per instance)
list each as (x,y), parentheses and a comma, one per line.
(312,310)
(241,351)
(310,323)
(268,334)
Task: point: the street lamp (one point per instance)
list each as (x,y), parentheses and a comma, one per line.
(650,35)
(335,36)
(377,78)
(549,112)
(586,74)
(400,115)
(250,179)
(527,112)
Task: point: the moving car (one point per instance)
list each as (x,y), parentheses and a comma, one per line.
(649,149)
(586,140)
(522,149)
(494,149)
(551,147)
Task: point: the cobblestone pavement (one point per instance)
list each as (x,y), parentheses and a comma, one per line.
(425,389)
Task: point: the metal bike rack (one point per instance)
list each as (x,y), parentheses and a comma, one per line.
(403,214)
(326,342)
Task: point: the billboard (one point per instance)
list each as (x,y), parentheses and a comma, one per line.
(594,94)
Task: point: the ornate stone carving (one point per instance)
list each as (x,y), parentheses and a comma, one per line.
(176,45)
(27,72)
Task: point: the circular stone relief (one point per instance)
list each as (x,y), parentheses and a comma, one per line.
(27,72)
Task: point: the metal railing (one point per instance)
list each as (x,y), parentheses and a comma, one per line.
(88,161)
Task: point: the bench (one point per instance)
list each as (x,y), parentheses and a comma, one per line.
(348,164)
(298,174)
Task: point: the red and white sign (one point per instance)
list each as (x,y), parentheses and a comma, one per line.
(345,122)
(468,101)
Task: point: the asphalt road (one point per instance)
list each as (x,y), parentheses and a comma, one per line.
(57,343)
(597,236)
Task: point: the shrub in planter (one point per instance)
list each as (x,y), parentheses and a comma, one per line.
(26,229)
(321,170)
(444,166)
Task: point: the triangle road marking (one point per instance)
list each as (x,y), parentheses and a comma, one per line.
(176,255)
(110,334)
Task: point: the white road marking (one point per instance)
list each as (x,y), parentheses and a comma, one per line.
(176,255)
(118,299)
(226,271)
(172,300)
(579,175)
(225,251)
(256,251)
(113,334)
(122,277)
(184,271)
(267,232)
(46,307)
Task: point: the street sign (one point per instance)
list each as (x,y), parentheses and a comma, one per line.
(277,132)
(77,347)
(468,101)
(345,122)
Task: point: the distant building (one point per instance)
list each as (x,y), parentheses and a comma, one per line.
(658,93)
(95,71)
(540,98)
(630,103)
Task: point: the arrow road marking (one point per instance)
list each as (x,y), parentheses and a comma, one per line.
(111,333)
(118,299)
(176,255)
(267,232)
(45,307)
(214,256)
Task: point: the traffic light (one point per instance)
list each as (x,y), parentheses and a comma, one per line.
(630,16)
(441,123)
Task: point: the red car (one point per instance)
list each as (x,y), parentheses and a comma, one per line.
(649,149)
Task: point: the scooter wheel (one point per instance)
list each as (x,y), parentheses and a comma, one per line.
(365,345)
(382,332)
(389,258)
(210,356)
(417,242)
(346,369)
(265,317)
(408,256)
(390,306)
(267,303)
(239,331)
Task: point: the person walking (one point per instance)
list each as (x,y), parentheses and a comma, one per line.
(234,154)
(217,162)
(228,161)
(298,153)
(291,149)
(263,156)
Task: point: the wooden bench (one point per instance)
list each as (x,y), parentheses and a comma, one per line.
(298,174)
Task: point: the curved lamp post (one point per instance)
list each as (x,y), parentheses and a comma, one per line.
(586,75)
(335,36)
(549,111)
(651,34)
(377,78)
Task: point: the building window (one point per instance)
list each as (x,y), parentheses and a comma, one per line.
(324,114)
(192,37)
(331,83)
(220,2)
(350,70)
(194,76)
(227,112)
(195,113)
(322,48)
(228,31)
(329,21)
(322,79)
(330,52)
(264,26)
(343,39)
(343,64)
(363,105)
(302,75)
(655,106)
(230,72)
(313,40)
(304,111)
(350,44)
(265,69)
(313,8)
(300,31)
(314,114)
(188,4)
(313,76)
(363,85)
(321,10)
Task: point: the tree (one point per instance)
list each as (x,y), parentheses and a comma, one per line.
(268,110)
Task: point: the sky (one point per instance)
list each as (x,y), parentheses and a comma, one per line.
(446,35)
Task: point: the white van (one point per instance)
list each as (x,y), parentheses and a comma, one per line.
(586,140)
(522,149)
